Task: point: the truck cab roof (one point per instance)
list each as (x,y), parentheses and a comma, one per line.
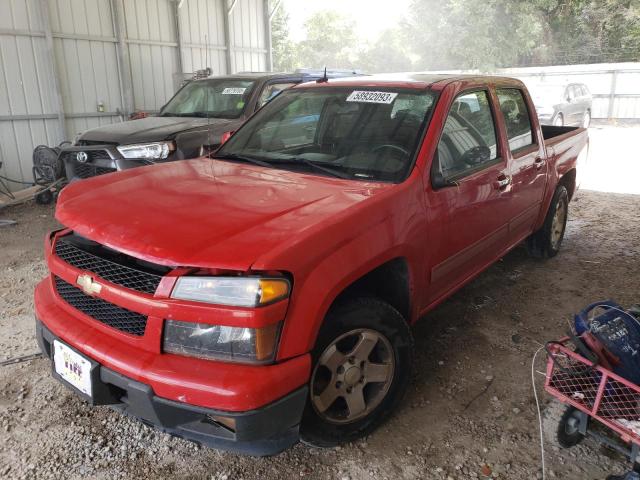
(418,80)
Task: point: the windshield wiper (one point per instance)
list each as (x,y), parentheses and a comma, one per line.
(243,158)
(331,171)
(189,114)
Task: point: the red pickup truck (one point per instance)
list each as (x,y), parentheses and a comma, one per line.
(266,294)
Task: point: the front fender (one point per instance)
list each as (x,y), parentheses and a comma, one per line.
(315,293)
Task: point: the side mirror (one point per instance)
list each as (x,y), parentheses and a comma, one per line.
(437,179)
(477,155)
(226,136)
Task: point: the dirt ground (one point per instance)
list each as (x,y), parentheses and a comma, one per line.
(469,414)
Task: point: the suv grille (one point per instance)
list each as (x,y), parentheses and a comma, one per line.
(109,270)
(103,311)
(83,170)
(87,170)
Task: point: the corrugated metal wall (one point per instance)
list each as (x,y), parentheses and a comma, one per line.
(70,65)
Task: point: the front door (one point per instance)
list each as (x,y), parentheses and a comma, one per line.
(468,202)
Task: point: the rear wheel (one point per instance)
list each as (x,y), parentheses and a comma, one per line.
(586,121)
(362,366)
(559,120)
(546,242)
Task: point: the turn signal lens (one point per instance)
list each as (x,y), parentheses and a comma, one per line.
(272,289)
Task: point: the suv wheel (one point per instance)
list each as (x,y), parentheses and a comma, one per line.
(362,366)
(546,242)
(559,120)
(586,121)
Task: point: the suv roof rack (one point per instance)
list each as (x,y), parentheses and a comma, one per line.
(332,72)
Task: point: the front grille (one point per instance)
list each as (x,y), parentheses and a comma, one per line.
(128,277)
(84,170)
(88,169)
(101,310)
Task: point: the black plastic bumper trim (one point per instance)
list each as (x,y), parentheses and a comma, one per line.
(265,431)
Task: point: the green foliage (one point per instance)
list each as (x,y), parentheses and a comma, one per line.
(330,41)
(284,50)
(470,34)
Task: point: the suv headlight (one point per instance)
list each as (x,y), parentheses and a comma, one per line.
(150,151)
(234,291)
(216,342)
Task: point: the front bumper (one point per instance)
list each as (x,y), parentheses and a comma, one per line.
(264,431)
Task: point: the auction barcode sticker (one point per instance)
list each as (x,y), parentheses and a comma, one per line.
(366,96)
(234,91)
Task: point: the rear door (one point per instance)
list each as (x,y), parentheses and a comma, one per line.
(469,198)
(528,168)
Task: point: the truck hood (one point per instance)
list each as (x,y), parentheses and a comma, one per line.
(205,213)
(154,129)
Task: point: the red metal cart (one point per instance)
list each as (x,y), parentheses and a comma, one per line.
(593,392)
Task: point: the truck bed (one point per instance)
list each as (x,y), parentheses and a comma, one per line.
(551,131)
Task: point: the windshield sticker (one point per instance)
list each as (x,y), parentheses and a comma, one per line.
(234,91)
(371,97)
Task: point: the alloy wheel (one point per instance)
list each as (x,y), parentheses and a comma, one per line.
(352,376)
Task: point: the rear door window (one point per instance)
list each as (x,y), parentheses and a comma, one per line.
(516,118)
(468,142)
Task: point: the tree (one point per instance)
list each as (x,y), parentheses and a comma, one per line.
(467,34)
(470,34)
(391,52)
(284,50)
(330,41)
(589,31)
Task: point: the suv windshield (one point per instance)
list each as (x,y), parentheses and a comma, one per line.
(221,98)
(352,133)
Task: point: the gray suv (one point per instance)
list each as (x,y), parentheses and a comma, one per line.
(562,104)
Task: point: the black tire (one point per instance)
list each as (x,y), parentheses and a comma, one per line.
(546,242)
(559,424)
(348,316)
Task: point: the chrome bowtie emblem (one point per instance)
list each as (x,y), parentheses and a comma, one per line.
(82,157)
(88,285)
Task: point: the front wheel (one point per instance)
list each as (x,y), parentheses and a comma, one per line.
(561,425)
(546,242)
(362,366)
(586,120)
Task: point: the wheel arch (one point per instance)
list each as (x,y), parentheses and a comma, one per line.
(389,282)
(568,181)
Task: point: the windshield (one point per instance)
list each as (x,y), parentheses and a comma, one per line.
(344,132)
(221,98)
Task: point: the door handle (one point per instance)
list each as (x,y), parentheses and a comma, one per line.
(539,162)
(502,182)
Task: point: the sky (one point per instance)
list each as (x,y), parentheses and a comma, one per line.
(371,16)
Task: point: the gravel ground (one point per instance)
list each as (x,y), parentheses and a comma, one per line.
(469,414)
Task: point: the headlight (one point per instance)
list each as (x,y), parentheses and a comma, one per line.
(251,345)
(151,151)
(235,291)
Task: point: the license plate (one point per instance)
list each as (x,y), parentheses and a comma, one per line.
(72,367)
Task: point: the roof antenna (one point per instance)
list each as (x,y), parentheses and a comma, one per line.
(324,78)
